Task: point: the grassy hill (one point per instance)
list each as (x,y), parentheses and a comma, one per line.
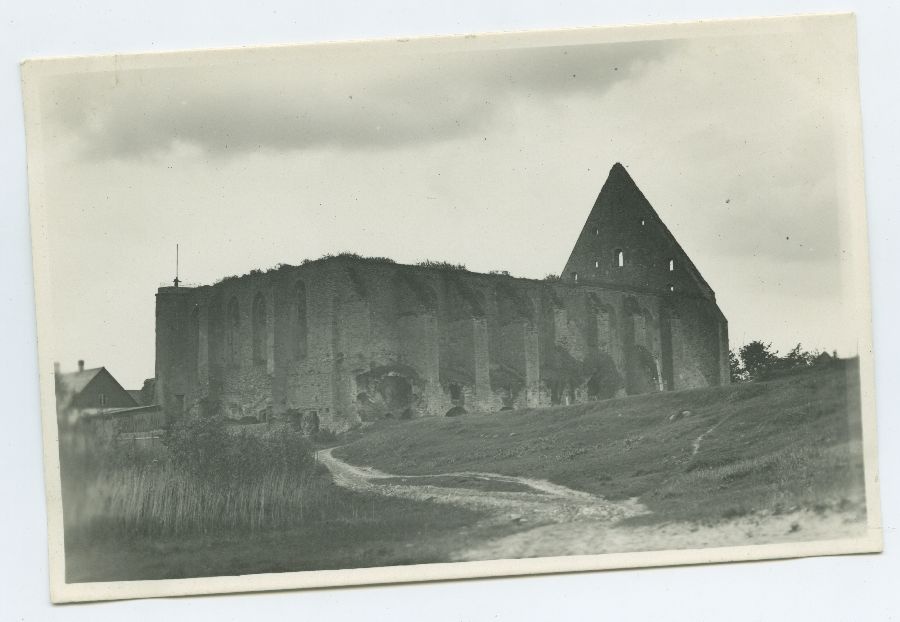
(772,446)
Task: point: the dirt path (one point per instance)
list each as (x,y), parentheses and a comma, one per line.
(541,502)
(563,521)
(695,446)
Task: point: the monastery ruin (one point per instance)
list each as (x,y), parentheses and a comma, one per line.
(345,339)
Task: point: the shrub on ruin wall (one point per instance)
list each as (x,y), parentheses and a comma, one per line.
(443,265)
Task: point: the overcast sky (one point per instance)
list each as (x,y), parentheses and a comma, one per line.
(480,152)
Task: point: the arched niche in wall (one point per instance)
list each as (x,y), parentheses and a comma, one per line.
(299,321)
(601,323)
(641,370)
(413,295)
(670,329)
(194,338)
(637,323)
(233,331)
(513,304)
(215,334)
(478,304)
(604,379)
(259,327)
(466,300)
(641,374)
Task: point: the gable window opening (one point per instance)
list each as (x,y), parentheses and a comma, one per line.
(620,259)
(596,230)
(671,265)
(671,287)
(103,400)
(596,263)
(575,276)
(643,222)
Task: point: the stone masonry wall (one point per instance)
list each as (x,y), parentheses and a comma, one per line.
(375,339)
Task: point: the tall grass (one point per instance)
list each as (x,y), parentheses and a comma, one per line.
(158,499)
(203,479)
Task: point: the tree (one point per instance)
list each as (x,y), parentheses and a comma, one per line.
(797,358)
(758,359)
(734,363)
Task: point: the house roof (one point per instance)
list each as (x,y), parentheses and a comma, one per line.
(73,384)
(76,381)
(136,394)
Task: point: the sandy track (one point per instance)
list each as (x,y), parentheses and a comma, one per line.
(571,522)
(590,537)
(546,502)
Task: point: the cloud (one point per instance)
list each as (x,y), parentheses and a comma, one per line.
(351,102)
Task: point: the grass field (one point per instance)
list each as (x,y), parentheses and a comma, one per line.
(250,505)
(345,530)
(772,446)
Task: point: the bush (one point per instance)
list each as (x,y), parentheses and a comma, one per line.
(757,361)
(202,446)
(199,445)
(324,437)
(443,265)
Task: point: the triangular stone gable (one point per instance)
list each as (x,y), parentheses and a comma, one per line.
(623,224)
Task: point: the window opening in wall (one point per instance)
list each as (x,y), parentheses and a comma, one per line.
(102,400)
(596,263)
(671,288)
(620,258)
(671,265)
(596,230)
(575,275)
(643,222)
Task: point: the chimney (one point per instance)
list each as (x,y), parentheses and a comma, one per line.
(80,364)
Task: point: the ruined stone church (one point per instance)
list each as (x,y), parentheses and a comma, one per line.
(346,339)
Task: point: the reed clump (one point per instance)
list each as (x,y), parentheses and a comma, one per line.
(203,478)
